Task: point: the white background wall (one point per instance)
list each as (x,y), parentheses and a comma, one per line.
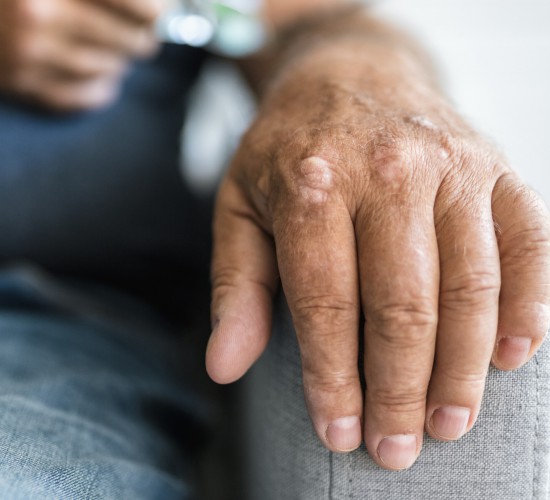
(495,56)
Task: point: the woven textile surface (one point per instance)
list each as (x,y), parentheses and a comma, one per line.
(504,457)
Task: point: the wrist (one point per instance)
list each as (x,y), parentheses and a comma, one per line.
(345,45)
(388,76)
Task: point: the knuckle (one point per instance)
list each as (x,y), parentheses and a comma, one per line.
(523,223)
(469,174)
(260,194)
(403,324)
(475,159)
(331,392)
(475,291)
(398,402)
(314,179)
(469,378)
(512,192)
(330,309)
(317,382)
(226,278)
(308,183)
(528,246)
(324,302)
(391,162)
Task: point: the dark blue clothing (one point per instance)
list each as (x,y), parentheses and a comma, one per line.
(99,195)
(98,397)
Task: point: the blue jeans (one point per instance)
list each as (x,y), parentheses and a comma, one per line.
(93,400)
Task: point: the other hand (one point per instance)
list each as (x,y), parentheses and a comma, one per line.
(72,54)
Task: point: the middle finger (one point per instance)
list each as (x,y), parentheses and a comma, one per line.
(468,312)
(399,284)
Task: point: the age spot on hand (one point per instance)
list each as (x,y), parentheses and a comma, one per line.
(315,179)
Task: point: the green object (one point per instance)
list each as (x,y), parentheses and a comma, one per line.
(232,29)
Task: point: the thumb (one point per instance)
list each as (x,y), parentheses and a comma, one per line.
(244,280)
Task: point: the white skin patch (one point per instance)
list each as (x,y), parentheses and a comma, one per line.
(315,179)
(426,124)
(423,122)
(443,153)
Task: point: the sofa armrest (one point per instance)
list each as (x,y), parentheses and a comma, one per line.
(504,457)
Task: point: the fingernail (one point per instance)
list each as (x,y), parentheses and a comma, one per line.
(512,352)
(398,452)
(344,434)
(450,422)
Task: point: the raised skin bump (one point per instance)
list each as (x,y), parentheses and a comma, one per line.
(423,122)
(315,180)
(391,166)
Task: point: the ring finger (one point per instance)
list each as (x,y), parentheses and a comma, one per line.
(468,312)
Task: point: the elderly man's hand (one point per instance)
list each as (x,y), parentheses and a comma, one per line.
(365,191)
(71,54)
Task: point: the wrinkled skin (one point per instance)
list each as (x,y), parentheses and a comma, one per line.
(71,55)
(361,188)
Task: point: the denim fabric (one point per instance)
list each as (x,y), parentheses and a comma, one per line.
(90,408)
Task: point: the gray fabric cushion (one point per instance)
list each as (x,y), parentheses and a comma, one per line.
(504,457)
